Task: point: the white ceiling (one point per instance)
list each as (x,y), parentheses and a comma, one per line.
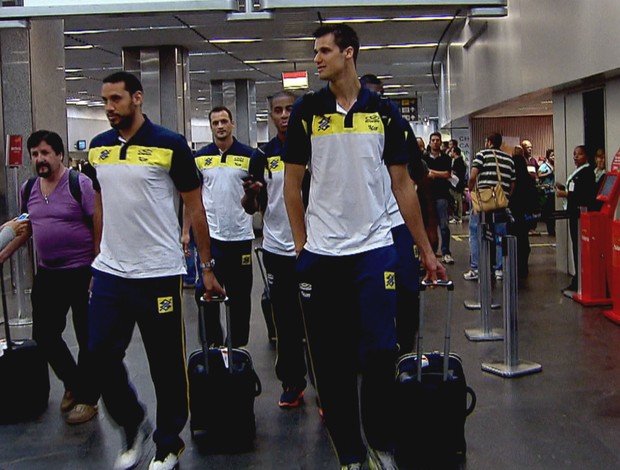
(410,68)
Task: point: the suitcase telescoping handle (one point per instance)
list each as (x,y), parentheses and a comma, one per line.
(259,256)
(5,311)
(203,332)
(449,285)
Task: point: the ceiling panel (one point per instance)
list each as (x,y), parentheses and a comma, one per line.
(409,68)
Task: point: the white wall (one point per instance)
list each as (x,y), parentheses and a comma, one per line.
(84,123)
(540,44)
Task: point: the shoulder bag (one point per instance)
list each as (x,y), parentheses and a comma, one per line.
(490,198)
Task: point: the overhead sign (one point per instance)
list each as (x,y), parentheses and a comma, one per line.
(295,80)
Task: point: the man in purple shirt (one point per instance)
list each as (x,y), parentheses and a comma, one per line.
(62,230)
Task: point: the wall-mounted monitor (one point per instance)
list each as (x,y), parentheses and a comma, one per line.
(608,187)
(80,145)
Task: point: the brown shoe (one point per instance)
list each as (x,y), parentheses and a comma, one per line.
(81,413)
(68,401)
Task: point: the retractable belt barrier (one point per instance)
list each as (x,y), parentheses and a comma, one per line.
(485,289)
(511,366)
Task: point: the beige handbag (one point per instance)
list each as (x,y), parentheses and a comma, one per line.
(491,198)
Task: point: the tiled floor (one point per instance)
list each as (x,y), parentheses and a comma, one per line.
(565,417)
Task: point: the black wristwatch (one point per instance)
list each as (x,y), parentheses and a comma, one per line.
(208,266)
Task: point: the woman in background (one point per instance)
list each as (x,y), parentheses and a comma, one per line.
(579,191)
(546,179)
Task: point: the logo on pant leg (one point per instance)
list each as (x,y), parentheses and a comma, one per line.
(246,260)
(389,278)
(305,290)
(164,305)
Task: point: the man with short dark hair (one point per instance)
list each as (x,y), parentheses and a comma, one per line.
(345,248)
(484,174)
(439,172)
(63,239)
(223,164)
(142,168)
(265,193)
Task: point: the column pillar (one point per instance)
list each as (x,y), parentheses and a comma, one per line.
(240,97)
(32,97)
(164,73)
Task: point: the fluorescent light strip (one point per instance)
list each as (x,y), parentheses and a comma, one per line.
(79,47)
(122,30)
(386,20)
(265,61)
(377,47)
(234,41)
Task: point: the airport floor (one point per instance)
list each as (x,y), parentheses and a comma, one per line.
(565,417)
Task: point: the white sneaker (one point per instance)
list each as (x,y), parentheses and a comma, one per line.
(381,460)
(448,259)
(133,453)
(499,275)
(471,275)
(169,463)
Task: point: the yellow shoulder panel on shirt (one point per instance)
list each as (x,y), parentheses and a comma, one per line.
(208,161)
(151,156)
(238,161)
(134,155)
(232,161)
(100,155)
(363,123)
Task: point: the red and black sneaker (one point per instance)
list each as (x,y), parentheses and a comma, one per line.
(291,397)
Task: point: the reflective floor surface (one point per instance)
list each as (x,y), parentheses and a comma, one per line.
(565,417)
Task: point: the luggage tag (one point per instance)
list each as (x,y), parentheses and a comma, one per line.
(224,353)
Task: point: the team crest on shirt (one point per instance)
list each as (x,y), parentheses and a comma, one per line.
(389,278)
(246,260)
(208,161)
(104,154)
(164,305)
(324,123)
(273,163)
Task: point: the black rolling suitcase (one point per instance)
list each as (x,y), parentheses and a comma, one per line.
(222,387)
(24,375)
(265,300)
(434,401)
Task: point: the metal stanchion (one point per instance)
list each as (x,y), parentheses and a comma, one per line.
(485,238)
(485,332)
(20,262)
(511,366)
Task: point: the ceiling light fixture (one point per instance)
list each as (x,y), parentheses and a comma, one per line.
(376,47)
(79,47)
(264,61)
(379,19)
(234,41)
